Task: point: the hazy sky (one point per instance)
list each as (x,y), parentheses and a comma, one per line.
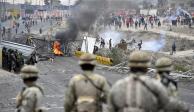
(65,2)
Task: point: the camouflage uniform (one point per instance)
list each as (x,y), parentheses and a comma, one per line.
(86,92)
(137,93)
(164,67)
(30,98)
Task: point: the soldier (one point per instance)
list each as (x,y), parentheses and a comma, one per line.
(30,98)
(164,67)
(9,61)
(32,60)
(13,61)
(87,91)
(137,93)
(17,61)
(21,61)
(4,60)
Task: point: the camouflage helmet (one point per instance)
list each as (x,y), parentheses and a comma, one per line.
(29,71)
(139,59)
(87,59)
(164,64)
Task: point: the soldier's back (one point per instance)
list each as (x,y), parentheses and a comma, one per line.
(84,87)
(89,91)
(136,95)
(30,91)
(31,99)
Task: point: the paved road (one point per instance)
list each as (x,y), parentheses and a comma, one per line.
(54,77)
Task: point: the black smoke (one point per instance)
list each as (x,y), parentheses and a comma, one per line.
(68,34)
(86,12)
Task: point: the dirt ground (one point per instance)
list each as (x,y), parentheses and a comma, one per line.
(54,78)
(183,29)
(181,44)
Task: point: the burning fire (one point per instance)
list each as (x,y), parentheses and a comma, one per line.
(57,48)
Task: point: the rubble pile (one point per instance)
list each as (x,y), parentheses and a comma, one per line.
(183,76)
(183,67)
(73,46)
(103,52)
(120,68)
(116,54)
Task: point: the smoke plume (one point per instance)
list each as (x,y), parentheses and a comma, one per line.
(68,34)
(111,34)
(86,12)
(155,45)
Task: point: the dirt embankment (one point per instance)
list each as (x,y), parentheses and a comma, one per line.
(184,63)
(181,44)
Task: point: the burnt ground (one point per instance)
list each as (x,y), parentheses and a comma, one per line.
(54,78)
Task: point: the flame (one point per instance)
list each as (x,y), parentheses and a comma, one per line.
(57,48)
